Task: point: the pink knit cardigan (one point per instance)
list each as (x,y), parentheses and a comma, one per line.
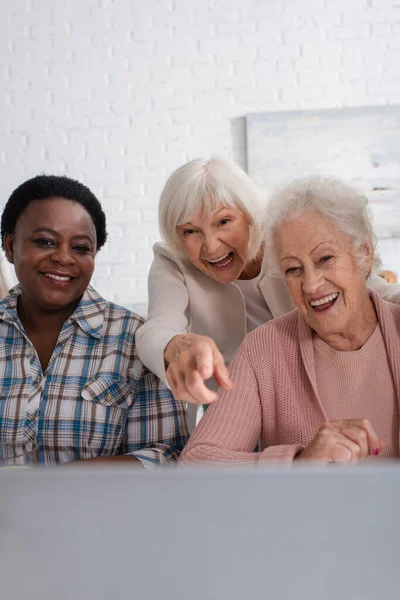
(275,402)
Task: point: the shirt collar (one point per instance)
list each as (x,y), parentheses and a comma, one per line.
(8,306)
(88,315)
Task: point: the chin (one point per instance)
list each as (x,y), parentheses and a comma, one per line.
(59,303)
(225,278)
(326,330)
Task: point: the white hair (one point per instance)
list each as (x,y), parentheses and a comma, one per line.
(204,186)
(331,198)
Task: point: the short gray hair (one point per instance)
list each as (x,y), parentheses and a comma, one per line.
(338,202)
(205,185)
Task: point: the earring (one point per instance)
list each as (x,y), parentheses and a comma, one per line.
(368,277)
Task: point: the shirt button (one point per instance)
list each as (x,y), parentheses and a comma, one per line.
(108,397)
(31,417)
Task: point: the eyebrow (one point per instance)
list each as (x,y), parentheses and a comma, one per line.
(224,208)
(214,216)
(312,251)
(56,233)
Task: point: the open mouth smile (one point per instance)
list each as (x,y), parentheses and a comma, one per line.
(222,261)
(325,302)
(58,279)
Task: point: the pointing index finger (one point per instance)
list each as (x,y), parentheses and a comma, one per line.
(204,362)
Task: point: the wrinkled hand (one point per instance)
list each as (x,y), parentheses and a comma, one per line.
(343,442)
(190,359)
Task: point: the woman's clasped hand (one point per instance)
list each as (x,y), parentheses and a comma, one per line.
(343,442)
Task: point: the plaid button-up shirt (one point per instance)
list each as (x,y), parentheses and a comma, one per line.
(95,397)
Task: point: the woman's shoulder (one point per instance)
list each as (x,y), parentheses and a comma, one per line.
(274,343)
(165,260)
(393,309)
(163,253)
(283,327)
(168,265)
(116,318)
(160,249)
(131,320)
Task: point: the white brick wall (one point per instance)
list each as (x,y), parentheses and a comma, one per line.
(118,93)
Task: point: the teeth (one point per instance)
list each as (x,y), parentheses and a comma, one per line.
(218,259)
(230,259)
(324,300)
(57,277)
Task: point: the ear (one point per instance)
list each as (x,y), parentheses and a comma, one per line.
(8,243)
(367,250)
(249,220)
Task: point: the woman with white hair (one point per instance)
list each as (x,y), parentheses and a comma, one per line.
(322,382)
(206,285)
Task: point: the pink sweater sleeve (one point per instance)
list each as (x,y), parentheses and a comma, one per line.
(231,428)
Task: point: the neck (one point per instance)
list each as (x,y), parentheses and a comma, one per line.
(36,319)
(253,268)
(359,331)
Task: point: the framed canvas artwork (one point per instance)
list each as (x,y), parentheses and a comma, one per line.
(359,145)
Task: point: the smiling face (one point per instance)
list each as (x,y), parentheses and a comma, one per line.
(53,249)
(323,276)
(217,244)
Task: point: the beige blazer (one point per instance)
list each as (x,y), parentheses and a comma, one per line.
(182,298)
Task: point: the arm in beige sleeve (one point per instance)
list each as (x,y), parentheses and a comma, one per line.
(168,301)
(387,291)
(230,429)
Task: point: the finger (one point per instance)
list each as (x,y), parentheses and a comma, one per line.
(181,393)
(221,375)
(346,451)
(327,452)
(171,381)
(204,361)
(375,444)
(187,384)
(178,391)
(194,384)
(331,445)
(200,394)
(176,370)
(359,436)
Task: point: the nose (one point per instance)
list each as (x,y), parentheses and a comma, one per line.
(62,254)
(211,243)
(312,280)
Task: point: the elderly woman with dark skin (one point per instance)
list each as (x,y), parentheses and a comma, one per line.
(71,384)
(207,286)
(321,383)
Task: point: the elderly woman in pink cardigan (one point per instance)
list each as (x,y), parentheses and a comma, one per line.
(320,383)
